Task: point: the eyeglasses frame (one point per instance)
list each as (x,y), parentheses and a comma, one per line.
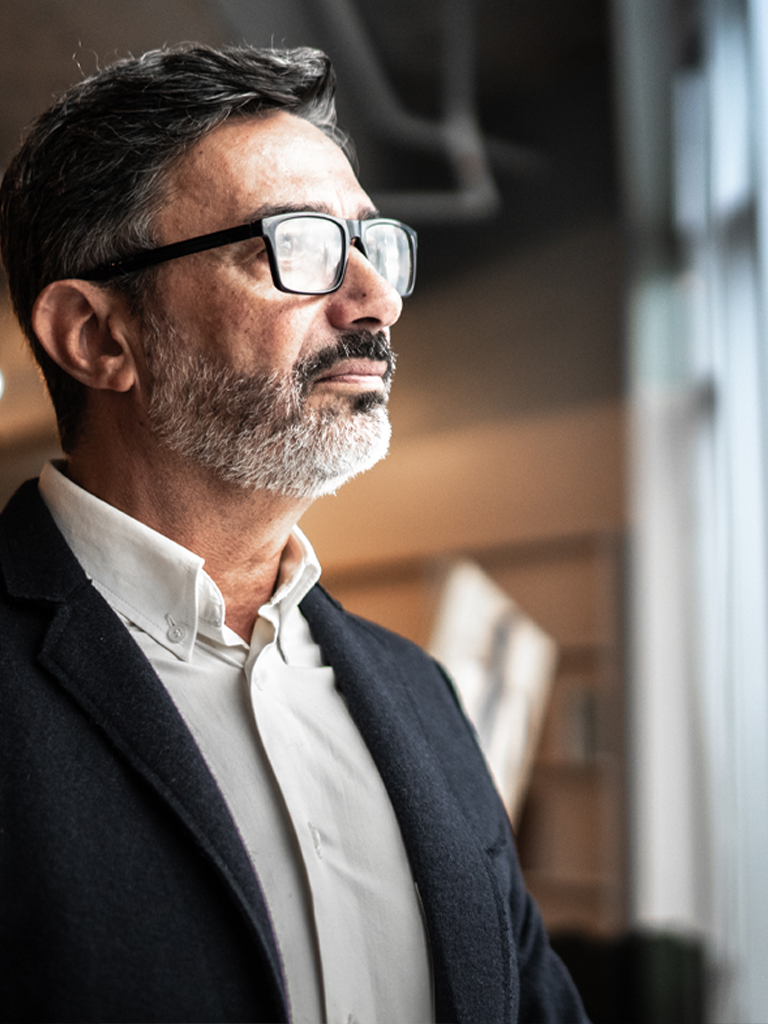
(352,231)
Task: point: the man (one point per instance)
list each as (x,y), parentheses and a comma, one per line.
(223,797)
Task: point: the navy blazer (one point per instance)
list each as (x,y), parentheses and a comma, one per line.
(126,893)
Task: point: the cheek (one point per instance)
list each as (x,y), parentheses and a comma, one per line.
(267,335)
(258,328)
(271,330)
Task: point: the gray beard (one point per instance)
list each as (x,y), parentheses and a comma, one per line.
(257,431)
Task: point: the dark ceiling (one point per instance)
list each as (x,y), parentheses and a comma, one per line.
(541,81)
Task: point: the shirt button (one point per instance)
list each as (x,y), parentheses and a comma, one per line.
(176,633)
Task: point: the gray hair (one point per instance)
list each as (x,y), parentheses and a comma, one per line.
(90,177)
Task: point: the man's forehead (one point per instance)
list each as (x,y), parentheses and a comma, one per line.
(251,167)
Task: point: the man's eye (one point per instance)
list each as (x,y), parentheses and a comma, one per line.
(287,247)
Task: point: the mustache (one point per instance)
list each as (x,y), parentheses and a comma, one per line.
(351,345)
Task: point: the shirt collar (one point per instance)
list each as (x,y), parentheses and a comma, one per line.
(154,582)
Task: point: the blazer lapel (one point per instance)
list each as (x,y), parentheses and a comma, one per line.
(90,653)
(470,963)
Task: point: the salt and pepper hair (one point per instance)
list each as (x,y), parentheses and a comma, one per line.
(88,182)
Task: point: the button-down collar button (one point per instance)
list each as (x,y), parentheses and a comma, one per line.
(176,633)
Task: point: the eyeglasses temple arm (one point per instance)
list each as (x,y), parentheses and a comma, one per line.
(151,257)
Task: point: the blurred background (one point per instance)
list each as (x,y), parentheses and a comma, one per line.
(581,408)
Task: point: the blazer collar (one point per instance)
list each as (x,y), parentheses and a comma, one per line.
(83,644)
(35,560)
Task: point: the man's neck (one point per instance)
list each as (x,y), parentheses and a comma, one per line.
(241,534)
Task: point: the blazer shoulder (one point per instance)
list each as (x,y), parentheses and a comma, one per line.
(335,628)
(319,602)
(319,606)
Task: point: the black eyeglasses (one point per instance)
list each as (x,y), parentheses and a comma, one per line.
(307,252)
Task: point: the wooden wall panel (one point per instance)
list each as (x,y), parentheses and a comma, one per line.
(515,482)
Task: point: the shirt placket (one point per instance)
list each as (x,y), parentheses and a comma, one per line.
(321,796)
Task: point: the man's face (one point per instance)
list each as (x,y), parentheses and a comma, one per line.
(266,388)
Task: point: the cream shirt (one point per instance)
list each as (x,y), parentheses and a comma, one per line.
(276,734)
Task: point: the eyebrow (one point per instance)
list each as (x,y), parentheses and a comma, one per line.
(275,209)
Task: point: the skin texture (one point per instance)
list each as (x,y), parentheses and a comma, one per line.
(222,300)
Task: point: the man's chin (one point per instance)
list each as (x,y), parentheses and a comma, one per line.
(364,442)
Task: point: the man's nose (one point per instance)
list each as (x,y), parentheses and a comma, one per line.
(365,298)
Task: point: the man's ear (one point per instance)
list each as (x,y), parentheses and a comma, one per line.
(85,329)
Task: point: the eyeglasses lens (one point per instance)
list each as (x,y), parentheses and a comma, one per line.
(308,252)
(389,250)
